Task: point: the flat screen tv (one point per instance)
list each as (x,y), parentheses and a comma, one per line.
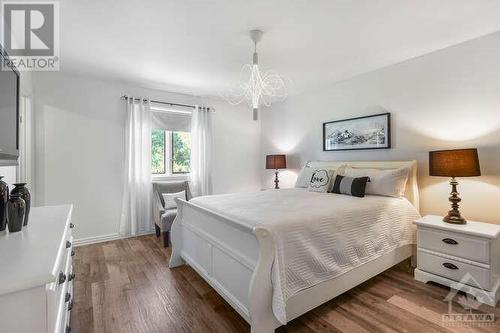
(9,110)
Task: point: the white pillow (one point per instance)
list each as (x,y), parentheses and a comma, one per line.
(387,182)
(169,199)
(321,180)
(304,177)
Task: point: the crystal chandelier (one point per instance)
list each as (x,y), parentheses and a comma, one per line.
(256,87)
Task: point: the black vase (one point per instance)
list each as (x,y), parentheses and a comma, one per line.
(15,212)
(22,190)
(4,197)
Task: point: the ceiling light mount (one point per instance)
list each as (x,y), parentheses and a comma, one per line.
(256,35)
(255,87)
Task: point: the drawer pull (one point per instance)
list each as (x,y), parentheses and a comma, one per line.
(72,253)
(67,297)
(449,265)
(71,225)
(68,329)
(62,278)
(71,277)
(68,244)
(70,306)
(450,241)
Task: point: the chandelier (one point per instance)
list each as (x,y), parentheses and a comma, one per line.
(254,86)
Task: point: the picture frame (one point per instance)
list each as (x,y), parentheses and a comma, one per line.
(360,133)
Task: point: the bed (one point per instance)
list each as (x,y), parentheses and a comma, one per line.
(275,255)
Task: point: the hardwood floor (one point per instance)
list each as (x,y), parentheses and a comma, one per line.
(126,286)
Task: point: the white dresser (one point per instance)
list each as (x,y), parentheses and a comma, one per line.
(468,253)
(36,278)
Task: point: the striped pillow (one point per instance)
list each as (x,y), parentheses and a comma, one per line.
(350,186)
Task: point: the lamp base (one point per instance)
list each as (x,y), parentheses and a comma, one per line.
(454,214)
(276,181)
(454,219)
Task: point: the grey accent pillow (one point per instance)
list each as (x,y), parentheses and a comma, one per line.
(169,199)
(350,186)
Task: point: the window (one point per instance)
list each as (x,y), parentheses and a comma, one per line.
(170,152)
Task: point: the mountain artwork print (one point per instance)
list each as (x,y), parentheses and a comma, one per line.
(369,132)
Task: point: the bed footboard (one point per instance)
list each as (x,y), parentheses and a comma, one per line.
(233,258)
(260,294)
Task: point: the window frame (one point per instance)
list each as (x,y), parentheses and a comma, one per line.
(169,173)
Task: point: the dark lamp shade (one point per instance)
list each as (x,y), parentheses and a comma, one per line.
(275,162)
(454,163)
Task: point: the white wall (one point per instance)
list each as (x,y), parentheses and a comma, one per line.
(446,99)
(80,126)
(236,148)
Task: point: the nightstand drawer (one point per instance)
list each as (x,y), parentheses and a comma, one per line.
(455,244)
(454,270)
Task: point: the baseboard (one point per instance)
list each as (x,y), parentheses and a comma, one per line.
(104,238)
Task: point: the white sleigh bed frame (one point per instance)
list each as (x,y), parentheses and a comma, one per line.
(236,259)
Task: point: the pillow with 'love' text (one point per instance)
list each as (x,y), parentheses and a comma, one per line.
(321,180)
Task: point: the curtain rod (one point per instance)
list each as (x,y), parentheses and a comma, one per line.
(125,97)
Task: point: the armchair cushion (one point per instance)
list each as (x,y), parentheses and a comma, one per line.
(169,199)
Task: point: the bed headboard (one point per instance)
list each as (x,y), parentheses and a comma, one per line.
(411,192)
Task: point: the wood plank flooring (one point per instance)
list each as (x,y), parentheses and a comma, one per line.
(126,286)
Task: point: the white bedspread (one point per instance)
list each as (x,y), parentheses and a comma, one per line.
(318,236)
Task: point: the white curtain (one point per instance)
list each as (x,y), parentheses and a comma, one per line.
(136,217)
(201,151)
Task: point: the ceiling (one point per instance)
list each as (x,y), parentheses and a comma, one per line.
(199,46)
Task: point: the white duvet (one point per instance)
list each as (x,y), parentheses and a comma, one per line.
(318,236)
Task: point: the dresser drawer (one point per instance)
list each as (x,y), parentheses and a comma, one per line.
(58,289)
(455,244)
(454,270)
(65,246)
(65,310)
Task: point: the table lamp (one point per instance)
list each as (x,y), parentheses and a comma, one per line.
(454,163)
(276,162)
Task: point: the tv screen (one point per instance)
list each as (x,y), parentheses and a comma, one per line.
(9,111)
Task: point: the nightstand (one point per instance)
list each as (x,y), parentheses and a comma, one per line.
(467,253)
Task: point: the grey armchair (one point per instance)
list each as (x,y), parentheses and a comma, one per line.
(165,217)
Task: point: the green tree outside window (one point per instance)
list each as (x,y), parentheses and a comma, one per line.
(158,151)
(181,152)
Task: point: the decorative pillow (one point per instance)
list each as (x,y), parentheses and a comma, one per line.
(350,186)
(169,199)
(321,180)
(306,173)
(304,177)
(387,182)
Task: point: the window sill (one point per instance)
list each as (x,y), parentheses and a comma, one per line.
(170,177)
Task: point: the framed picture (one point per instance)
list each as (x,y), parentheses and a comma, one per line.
(369,132)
